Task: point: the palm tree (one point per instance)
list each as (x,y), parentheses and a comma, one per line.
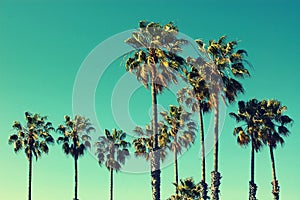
(188,190)
(144,142)
(250,114)
(34,138)
(227,64)
(197,98)
(274,128)
(75,139)
(154,62)
(112,149)
(181,130)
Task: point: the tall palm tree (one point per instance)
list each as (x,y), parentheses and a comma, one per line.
(188,190)
(34,138)
(197,98)
(155,63)
(112,149)
(182,131)
(250,132)
(74,140)
(274,129)
(227,64)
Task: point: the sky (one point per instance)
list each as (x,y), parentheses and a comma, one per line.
(46,46)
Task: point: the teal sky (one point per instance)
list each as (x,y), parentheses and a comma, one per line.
(44,43)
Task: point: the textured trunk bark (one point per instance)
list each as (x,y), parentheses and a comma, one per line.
(176,168)
(252,161)
(76,170)
(215,175)
(76,178)
(203,173)
(111,183)
(202,142)
(155,165)
(216,136)
(30,176)
(275,190)
(154,112)
(252,185)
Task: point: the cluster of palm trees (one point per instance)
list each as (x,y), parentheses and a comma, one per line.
(212,77)
(35,136)
(156,62)
(264,123)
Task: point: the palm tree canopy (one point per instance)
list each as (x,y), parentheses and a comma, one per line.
(75,135)
(34,137)
(195,95)
(199,90)
(230,63)
(264,120)
(144,142)
(155,58)
(275,122)
(250,114)
(112,149)
(188,190)
(225,63)
(181,128)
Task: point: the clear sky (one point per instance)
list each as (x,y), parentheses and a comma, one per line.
(44,43)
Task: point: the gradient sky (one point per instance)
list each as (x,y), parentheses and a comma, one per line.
(44,43)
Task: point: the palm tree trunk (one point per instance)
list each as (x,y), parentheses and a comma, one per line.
(275,190)
(76,177)
(111,183)
(202,143)
(203,184)
(215,175)
(76,168)
(176,167)
(155,160)
(252,161)
(252,185)
(30,176)
(216,136)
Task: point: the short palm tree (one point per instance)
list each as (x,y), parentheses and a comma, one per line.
(144,141)
(274,128)
(188,190)
(182,133)
(250,132)
(197,98)
(74,140)
(112,149)
(155,63)
(227,64)
(34,138)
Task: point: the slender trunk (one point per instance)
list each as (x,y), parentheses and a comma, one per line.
(275,190)
(30,175)
(203,184)
(176,166)
(155,160)
(252,185)
(76,177)
(76,168)
(215,175)
(202,142)
(273,163)
(111,183)
(111,169)
(216,136)
(252,161)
